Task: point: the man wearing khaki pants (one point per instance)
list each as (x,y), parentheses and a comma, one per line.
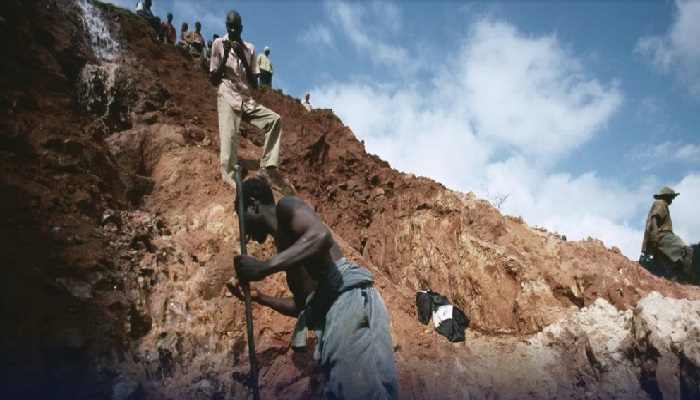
(234,70)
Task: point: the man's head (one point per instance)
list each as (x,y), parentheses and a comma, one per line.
(234,25)
(197,26)
(216,36)
(184,27)
(256,195)
(170,17)
(267,51)
(666,193)
(148,3)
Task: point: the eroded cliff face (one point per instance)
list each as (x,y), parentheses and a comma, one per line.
(118,235)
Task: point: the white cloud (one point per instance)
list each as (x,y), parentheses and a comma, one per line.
(576,206)
(389,14)
(650,156)
(684,210)
(407,131)
(528,93)
(677,51)
(366,27)
(689,153)
(517,103)
(317,36)
(657,49)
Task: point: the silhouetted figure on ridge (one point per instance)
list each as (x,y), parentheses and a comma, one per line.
(306,102)
(661,243)
(169,31)
(143,9)
(182,42)
(196,42)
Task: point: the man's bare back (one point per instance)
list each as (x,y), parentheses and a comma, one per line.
(332,295)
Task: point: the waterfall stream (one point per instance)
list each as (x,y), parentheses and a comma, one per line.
(95,86)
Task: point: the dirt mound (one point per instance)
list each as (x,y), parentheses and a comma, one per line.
(118,234)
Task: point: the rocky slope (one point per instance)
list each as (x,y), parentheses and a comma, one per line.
(117,236)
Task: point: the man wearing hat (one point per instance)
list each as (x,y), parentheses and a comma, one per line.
(660,241)
(266,70)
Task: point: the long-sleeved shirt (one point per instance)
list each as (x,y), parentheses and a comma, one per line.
(660,210)
(264,63)
(234,84)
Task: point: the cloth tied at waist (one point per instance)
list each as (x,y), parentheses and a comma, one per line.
(347,276)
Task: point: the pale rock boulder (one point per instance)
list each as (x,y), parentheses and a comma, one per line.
(596,342)
(667,346)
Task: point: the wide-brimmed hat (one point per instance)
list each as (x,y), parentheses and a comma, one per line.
(666,192)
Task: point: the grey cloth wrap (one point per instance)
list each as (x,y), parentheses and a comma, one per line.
(343,277)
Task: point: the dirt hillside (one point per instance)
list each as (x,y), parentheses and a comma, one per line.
(117,235)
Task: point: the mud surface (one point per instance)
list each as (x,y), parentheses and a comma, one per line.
(117,235)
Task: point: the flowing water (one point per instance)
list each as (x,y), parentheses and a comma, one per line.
(96,88)
(103,45)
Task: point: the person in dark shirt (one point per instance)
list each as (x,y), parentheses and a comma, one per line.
(169,32)
(143,9)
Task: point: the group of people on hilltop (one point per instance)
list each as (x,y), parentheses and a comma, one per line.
(191,41)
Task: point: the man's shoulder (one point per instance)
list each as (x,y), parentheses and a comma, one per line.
(250,46)
(289,200)
(288,205)
(659,206)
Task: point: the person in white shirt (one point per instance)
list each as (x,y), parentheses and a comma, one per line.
(266,69)
(306,103)
(234,70)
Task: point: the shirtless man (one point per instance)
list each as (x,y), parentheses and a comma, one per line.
(331,295)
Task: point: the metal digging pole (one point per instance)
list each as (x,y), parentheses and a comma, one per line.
(246,290)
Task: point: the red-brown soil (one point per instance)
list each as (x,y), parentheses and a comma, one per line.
(117,236)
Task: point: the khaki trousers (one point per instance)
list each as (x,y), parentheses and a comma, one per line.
(229,127)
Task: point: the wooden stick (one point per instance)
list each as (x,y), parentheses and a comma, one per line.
(246,288)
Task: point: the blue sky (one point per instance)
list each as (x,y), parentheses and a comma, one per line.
(571,114)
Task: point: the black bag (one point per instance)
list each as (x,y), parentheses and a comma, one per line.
(449,319)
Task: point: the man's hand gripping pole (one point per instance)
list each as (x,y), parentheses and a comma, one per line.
(246,288)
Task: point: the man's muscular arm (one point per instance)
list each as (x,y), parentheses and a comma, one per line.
(314,236)
(302,222)
(283,305)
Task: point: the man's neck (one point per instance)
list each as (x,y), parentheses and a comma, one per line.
(270,213)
